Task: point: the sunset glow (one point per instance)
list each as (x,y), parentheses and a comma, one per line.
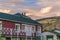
(35,9)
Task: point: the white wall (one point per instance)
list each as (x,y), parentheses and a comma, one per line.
(28,30)
(44,34)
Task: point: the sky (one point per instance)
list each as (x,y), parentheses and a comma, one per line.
(36,9)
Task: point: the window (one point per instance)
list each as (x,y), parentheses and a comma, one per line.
(39,28)
(23,27)
(33,28)
(17,27)
(0,25)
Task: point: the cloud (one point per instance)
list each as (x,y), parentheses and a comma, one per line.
(12,3)
(34,9)
(44,3)
(46,10)
(8,11)
(58,13)
(35,14)
(11,6)
(5,11)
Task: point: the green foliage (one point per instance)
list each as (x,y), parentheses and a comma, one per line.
(1,38)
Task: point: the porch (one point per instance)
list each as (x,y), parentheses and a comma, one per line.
(17,38)
(12,34)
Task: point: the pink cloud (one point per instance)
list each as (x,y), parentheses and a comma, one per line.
(46,8)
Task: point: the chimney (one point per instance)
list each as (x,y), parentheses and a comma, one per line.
(23,13)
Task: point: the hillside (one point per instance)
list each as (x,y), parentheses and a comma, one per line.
(50,23)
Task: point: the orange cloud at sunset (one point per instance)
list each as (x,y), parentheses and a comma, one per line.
(5,11)
(46,10)
(35,9)
(35,14)
(58,13)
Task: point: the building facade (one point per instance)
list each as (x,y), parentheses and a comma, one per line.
(18,27)
(51,35)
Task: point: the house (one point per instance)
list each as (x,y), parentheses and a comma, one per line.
(51,35)
(18,27)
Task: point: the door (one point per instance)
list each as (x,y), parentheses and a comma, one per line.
(8,38)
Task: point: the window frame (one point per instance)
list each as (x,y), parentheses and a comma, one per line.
(33,28)
(17,27)
(39,28)
(23,26)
